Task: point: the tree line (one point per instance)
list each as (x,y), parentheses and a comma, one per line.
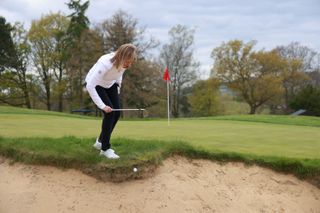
(45,66)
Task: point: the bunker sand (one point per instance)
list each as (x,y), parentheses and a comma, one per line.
(179,185)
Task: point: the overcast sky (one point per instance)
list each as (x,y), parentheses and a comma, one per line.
(269,22)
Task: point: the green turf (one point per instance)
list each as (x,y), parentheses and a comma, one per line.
(18,111)
(274,119)
(285,143)
(213,134)
(232,136)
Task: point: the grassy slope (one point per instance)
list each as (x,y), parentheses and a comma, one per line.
(291,148)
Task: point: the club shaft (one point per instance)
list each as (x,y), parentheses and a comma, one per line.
(128,109)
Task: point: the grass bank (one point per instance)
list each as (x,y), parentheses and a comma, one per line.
(146,155)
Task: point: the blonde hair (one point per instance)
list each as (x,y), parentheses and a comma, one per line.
(123,53)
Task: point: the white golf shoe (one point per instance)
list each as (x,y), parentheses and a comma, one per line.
(109,153)
(97,145)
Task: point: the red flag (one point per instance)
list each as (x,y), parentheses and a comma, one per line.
(166,75)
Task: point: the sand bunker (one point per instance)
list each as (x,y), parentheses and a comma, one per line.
(180,185)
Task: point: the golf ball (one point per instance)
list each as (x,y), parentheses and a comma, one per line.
(135,169)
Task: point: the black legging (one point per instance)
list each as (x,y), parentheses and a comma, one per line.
(110,97)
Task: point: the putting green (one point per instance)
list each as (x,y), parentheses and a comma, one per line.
(226,135)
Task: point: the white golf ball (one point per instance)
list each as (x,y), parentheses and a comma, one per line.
(135,169)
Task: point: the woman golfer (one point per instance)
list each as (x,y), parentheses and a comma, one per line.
(103,82)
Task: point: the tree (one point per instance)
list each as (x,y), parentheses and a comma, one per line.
(314,75)
(254,75)
(300,60)
(141,81)
(296,51)
(122,28)
(309,99)
(293,80)
(314,78)
(85,54)
(47,51)
(79,50)
(60,58)
(22,78)
(204,98)
(142,85)
(178,57)
(79,22)
(7,50)
(14,79)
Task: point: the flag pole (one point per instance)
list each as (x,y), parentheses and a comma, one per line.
(168,95)
(166,77)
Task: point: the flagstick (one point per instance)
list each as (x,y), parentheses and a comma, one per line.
(168,103)
(166,77)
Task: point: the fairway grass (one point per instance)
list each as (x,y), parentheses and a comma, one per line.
(284,143)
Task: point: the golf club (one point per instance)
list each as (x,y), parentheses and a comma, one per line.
(128,109)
